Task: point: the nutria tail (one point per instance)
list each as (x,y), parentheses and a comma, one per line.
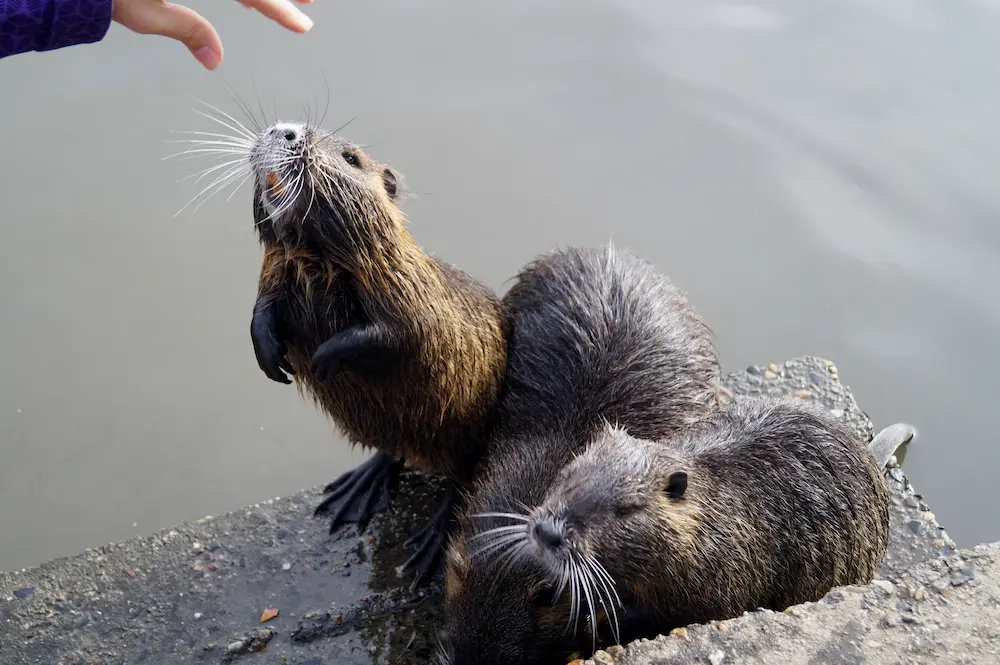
(887,442)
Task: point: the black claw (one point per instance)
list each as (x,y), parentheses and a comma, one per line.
(267,345)
(360,494)
(430,540)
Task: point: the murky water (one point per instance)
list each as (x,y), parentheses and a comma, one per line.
(819,176)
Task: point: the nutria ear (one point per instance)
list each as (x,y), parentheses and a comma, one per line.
(391,182)
(677,484)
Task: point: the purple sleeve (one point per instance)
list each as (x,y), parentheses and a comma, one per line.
(44,25)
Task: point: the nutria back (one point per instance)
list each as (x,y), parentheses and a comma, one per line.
(598,335)
(763,503)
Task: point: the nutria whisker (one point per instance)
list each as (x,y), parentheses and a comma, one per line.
(587,584)
(601,584)
(606,578)
(513,528)
(193,132)
(289,193)
(218,144)
(245,107)
(200,175)
(574,597)
(497,545)
(245,178)
(242,128)
(514,553)
(217,185)
(443,656)
(221,183)
(513,516)
(200,151)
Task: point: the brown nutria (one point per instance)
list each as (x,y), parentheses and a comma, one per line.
(405,353)
(766,503)
(597,335)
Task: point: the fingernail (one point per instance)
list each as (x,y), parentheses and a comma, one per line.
(207,57)
(306,22)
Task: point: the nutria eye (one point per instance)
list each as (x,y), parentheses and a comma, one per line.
(627,511)
(677,485)
(351,158)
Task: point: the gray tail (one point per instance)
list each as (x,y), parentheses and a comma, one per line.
(887,442)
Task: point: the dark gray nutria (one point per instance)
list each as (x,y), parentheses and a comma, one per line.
(764,503)
(597,335)
(404,352)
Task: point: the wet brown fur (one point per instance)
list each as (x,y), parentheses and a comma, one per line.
(782,503)
(597,335)
(436,403)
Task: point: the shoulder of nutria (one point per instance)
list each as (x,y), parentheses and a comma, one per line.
(601,333)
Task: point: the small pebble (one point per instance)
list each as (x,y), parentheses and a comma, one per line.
(941,584)
(919,594)
(234,647)
(603,658)
(912,501)
(885,585)
(770,375)
(772,368)
(716,657)
(197,615)
(958,579)
(753,370)
(909,618)
(802,394)
(268,614)
(616,651)
(837,413)
(25,592)
(890,622)
(286,566)
(680,632)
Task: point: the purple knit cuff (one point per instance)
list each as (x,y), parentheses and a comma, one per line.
(77,22)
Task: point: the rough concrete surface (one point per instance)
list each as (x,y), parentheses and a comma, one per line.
(944,611)
(197,593)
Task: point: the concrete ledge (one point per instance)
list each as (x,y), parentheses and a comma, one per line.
(942,611)
(196,593)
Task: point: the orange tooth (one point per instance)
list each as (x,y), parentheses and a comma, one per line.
(272,182)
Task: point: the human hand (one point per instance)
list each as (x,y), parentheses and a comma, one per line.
(158,17)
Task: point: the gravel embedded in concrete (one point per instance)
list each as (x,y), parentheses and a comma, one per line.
(195,593)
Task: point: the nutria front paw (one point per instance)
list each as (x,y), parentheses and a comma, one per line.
(267,346)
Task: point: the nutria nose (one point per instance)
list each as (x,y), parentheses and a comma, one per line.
(287,132)
(547,533)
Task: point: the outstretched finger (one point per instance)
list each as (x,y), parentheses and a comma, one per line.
(176,22)
(282,11)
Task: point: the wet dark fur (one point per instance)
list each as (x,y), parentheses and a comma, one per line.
(597,334)
(765,503)
(426,394)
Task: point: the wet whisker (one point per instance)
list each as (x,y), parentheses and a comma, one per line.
(496,546)
(513,516)
(514,528)
(240,127)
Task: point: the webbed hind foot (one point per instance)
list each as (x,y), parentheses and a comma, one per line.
(430,540)
(361,493)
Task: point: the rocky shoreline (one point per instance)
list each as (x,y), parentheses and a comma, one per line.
(266,584)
